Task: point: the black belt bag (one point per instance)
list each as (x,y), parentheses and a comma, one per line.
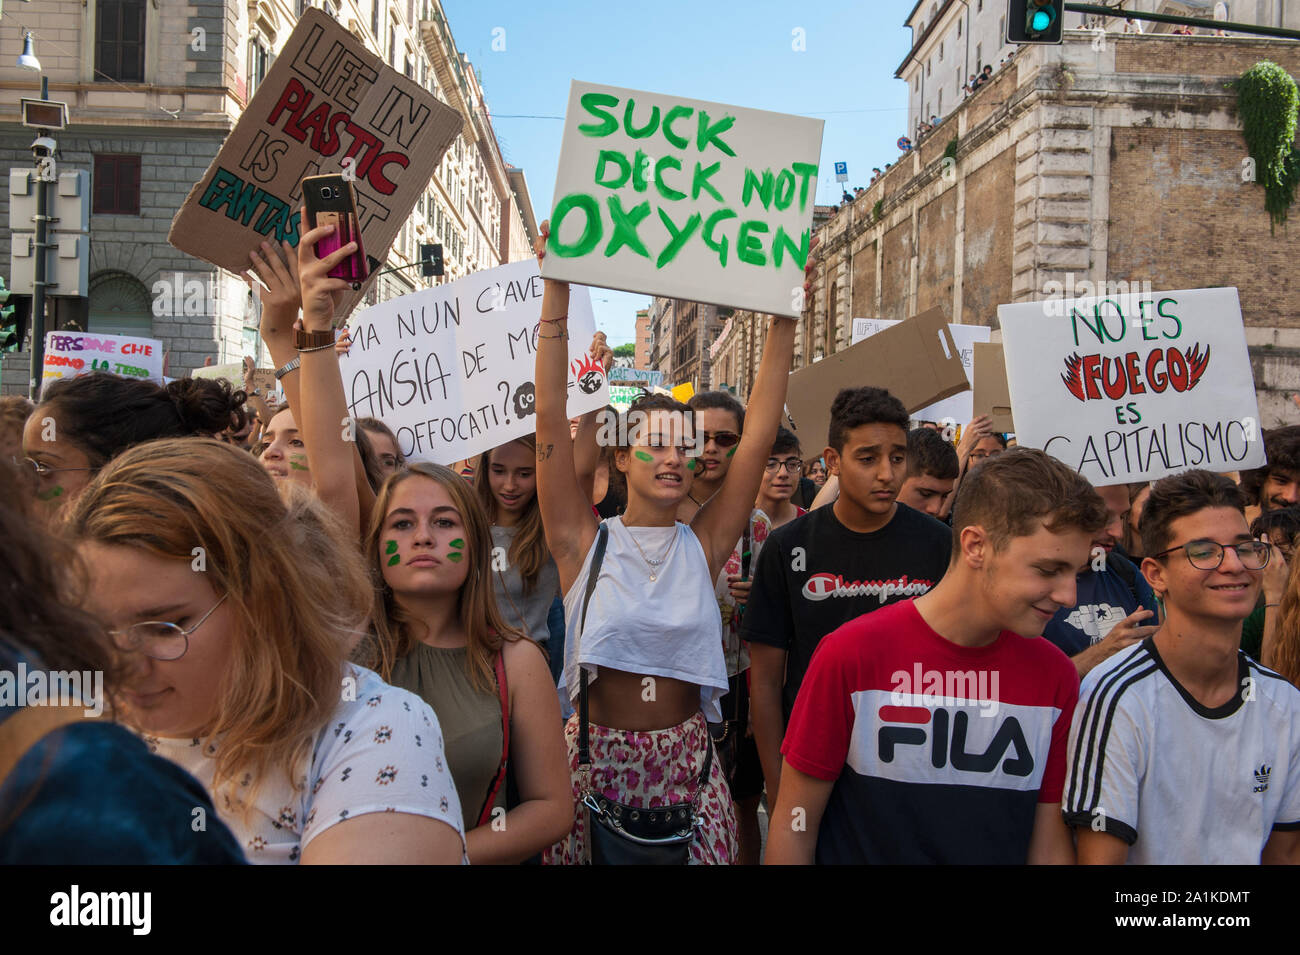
(631,835)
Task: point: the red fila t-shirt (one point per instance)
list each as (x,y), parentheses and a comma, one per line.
(939,753)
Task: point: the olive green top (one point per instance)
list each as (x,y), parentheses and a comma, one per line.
(470,720)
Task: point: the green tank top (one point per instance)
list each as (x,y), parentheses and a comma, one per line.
(470,721)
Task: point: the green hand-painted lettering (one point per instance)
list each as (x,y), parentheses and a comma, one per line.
(799,252)
(619,160)
(678,239)
(784,189)
(700,181)
(708,133)
(754,184)
(719,245)
(390,547)
(677,112)
(749,247)
(592,103)
(591,233)
(642,456)
(665,190)
(805,171)
(640,163)
(625,224)
(648,129)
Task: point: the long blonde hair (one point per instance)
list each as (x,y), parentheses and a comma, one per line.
(1286,659)
(485,628)
(528,551)
(298,589)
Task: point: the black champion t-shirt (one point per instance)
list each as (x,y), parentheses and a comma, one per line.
(814,574)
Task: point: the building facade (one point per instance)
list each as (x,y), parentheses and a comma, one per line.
(641,353)
(152,91)
(1115,162)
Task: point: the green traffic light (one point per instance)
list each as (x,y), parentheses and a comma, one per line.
(1042,20)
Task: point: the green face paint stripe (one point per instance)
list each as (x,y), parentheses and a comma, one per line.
(455,556)
(51,494)
(642,456)
(395,559)
(732,451)
(690,464)
(457,543)
(391,548)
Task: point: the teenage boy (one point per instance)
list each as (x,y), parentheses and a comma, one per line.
(1115,607)
(931,471)
(932,731)
(781,480)
(835,563)
(1185,715)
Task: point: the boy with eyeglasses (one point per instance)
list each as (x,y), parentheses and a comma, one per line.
(836,563)
(781,480)
(1183,749)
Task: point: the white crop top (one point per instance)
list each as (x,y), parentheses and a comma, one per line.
(666,627)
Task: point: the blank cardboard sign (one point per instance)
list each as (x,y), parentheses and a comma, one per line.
(327,106)
(916,361)
(992,396)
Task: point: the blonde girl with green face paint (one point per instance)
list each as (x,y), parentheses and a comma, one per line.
(437,631)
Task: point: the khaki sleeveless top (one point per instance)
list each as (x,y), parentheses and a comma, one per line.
(470,721)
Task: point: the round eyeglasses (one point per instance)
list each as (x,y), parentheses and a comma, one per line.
(157,638)
(791,465)
(1208,554)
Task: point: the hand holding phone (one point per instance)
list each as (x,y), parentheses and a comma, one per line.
(329,201)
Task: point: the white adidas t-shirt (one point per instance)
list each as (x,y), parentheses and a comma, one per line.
(381,752)
(1181,783)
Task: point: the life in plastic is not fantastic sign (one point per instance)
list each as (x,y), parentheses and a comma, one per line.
(1134,387)
(684,198)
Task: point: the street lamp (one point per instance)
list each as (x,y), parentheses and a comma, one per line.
(44,148)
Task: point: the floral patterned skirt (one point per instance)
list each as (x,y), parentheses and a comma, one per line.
(647,770)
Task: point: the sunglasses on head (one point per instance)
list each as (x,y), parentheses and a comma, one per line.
(723,439)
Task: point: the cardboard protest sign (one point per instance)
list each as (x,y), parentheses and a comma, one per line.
(956,409)
(328,105)
(684,198)
(622,396)
(450,369)
(917,361)
(72,354)
(233,372)
(991,395)
(1134,387)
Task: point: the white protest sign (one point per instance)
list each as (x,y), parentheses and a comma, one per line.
(1134,387)
(70,354)
(450,369)
(959,407)
(684,198)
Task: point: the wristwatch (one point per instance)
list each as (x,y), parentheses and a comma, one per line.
(287,367)
(304,340)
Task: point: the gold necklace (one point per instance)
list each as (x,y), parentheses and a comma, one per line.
(653,564)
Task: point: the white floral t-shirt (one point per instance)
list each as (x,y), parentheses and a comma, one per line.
(380,752)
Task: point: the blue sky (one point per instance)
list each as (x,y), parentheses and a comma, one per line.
(720,50)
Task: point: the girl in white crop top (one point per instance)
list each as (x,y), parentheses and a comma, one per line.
(651,644)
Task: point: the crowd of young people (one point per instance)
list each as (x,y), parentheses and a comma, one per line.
(565,653)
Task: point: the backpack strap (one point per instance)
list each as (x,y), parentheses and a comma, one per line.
(503,690)
(597,560)
(20,732)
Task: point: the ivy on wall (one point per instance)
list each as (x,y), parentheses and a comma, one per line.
(1267,102)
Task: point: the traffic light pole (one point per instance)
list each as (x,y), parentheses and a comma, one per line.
(1098,10)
